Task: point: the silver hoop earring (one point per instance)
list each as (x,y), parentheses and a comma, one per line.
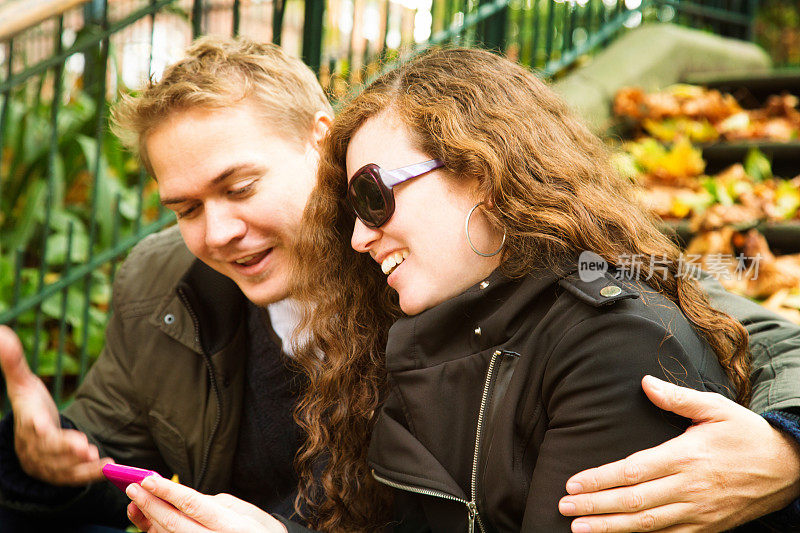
(469,241)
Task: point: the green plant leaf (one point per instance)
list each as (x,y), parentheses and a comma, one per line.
(116,156)
(59,181)
(6,282)
(101,289)
(57,249)
(48,363)
(73,314)
(787,200)
(106,191)
(29,215)
(60,220)
(757,165)
(96,337)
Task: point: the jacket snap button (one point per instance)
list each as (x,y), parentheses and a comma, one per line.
(610,291)
(169,318)
(484,284)
(478,331)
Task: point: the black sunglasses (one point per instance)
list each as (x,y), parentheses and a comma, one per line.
(370,191)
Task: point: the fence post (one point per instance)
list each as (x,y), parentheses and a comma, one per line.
(237,16)
(197,18)
(752,9)
(492,31)
(92,18)
(4,112)
(312,33)
(278,9)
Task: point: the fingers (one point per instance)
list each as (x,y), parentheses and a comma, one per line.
(162,515)
(172,507)
(639,467)
(12,361)
(65,447)
(59,456)
(696,405)
(647,495)
(649,520)
(203,509)
(85,473)
(138,519)
(75,474)
(662,460)
(241,509)
(227,500)
(68,442)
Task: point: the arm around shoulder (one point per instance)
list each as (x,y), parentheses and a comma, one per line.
(596,410)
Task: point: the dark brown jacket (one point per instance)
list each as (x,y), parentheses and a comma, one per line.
(502,393)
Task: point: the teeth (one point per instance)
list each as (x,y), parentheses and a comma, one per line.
(246,259)
(391,262)
(388,264)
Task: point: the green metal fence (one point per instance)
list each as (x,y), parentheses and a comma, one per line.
(73,202)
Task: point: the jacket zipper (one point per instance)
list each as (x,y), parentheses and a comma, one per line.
(472,510)
(472,507)
(487,388)
(214,386)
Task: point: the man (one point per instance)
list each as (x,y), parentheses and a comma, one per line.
(193,380)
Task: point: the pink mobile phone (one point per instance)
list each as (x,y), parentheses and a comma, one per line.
(122,476)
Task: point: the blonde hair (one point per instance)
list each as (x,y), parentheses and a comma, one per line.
(218,72)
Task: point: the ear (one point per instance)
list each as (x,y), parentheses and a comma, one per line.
(320,128)
(480,194)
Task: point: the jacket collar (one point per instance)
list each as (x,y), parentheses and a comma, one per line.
(203,295)
(484,316)
(218,303)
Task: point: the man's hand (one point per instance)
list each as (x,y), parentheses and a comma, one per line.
(45,450)
(160,506)
(728,468)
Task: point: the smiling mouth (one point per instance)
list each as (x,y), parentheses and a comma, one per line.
(254,259)
(393,261)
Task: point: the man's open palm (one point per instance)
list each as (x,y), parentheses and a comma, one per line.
(45,450)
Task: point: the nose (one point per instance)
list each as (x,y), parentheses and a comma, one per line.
(364,237)
(223,225)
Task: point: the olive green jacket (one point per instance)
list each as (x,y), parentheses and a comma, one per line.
(166,392)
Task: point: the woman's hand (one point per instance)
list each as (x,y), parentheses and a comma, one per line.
(161,506)
(730,467)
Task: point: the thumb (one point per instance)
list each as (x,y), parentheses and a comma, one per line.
(696,405)
(12,360)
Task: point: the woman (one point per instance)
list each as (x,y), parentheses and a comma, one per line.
(457,339)
(469,193)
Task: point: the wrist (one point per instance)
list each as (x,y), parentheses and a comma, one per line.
(16,484)
(787,429)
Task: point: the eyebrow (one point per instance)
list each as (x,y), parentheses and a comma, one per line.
(219,178)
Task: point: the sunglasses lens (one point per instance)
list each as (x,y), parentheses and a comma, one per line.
(367,200)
